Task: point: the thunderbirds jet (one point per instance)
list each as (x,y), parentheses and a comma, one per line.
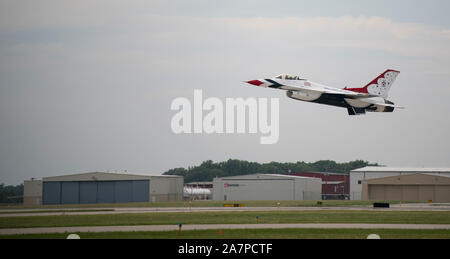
(370,98)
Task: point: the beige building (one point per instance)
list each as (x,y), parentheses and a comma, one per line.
(32,192)
(410,187)
(358,176)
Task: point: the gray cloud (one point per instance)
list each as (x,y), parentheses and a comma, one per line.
(88,87)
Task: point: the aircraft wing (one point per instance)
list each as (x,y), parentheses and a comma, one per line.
(310,86)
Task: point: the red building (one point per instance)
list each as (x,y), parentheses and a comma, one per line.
(334,186)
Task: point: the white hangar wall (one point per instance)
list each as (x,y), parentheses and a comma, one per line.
(267,187)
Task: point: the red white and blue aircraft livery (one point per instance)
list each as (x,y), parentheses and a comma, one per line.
(370,98)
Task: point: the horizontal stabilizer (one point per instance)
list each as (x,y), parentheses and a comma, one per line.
(385,104)
(390,105)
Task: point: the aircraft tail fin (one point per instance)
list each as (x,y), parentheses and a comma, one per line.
(380,85)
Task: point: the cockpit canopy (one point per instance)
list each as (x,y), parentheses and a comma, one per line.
(288,77)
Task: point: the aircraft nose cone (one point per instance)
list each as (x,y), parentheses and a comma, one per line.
(255,82)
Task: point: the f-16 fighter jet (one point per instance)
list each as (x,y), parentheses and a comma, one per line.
(370,98)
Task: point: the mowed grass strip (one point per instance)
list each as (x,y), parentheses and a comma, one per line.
(238,217)
(253,234)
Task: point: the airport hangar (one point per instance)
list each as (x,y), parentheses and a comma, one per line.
(335,186)
(400,183)
(101,187)
(266,187)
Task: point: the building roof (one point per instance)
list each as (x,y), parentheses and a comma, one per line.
(265,176)
(102,176)
(202,183)
(322,173)
(403,169)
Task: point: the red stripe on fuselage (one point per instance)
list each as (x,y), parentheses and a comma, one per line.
(358,90)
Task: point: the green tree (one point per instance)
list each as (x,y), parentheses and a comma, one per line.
(11,194)
(207,170)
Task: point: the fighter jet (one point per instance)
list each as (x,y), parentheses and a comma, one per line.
(371,98)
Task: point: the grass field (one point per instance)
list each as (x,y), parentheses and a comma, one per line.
(241,217)
(231,217)
(209,203)
(254,234)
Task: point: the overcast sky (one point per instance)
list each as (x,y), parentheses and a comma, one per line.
(87,85)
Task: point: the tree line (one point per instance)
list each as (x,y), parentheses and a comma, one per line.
(207,170)
(11,193)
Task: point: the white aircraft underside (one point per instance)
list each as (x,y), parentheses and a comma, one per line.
(371,98)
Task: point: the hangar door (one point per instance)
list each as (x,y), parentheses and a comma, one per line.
(436,193)
(96,192)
